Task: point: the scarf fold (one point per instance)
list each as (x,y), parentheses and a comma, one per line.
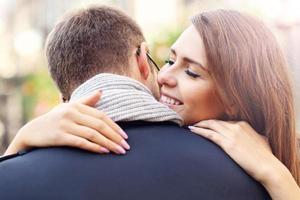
(125,99)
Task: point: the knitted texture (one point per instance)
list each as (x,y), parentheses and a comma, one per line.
(125,99)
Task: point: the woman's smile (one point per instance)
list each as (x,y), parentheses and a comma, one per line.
(170,101)
(186,86)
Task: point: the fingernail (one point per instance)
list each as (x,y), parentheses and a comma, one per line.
(120,150)
(123,134)
(125,144)
(104,150)
(192,129)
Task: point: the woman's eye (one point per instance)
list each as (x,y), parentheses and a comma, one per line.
(169,62)
(192,74)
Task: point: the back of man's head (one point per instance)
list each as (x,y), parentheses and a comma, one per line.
(90,41)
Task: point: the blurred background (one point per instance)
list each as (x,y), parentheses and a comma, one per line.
(26,89)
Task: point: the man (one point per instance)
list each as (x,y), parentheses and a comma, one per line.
(165,162)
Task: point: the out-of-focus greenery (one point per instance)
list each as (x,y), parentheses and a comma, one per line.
(39,94)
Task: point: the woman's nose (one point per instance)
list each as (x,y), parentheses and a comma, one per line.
(166,77)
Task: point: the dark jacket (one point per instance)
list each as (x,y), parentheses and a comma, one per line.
(165,162)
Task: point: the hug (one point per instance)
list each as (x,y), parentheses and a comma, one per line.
(216,121)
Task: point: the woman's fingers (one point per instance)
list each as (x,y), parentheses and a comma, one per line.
(102,128)
(212,130)
(238,129)
(93,136)
(214,125)
(79,142)
(91,118)
(91,99)
(209,134)
(93,126)
(241,142)
(101,116)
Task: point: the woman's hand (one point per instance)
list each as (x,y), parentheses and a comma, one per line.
(253,153)
(74,124)
(240,142)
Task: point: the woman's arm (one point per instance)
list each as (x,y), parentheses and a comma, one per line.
(74,124)
(252,152)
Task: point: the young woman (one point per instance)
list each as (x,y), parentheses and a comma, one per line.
(227,71)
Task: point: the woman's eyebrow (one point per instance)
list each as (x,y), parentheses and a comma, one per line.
(173,51)
(190,60)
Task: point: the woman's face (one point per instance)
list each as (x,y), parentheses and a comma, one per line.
(186,85)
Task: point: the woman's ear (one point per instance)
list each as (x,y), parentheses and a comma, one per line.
(142,61)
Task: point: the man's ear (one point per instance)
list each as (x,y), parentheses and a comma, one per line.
(142,61)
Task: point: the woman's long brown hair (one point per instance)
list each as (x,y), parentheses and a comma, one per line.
(251,73)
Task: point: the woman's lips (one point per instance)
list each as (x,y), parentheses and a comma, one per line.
(169,101)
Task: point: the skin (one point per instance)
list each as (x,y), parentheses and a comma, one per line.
(74,124)
(78,125)
(197,101)
(247,148)
(200,102)
(197,95)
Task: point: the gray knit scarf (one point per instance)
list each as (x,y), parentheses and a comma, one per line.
(125,99)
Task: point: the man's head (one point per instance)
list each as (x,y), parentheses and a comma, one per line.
(96,40)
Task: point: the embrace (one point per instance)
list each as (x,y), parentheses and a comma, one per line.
(215,122)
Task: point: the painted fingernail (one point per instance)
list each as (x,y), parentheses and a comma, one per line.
(104,150)
(191,127)
(125,144)
(120,150)
(123,134)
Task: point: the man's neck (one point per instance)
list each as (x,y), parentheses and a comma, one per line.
(125,99)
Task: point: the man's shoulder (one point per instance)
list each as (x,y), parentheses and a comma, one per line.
(146,124)
(168,134)
(165,162)
(154,128)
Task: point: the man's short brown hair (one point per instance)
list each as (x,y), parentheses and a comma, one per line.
(88,42)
